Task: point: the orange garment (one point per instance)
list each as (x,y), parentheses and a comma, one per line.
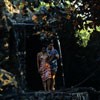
(45,70)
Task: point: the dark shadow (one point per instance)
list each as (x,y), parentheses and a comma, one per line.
(34,82)
(33,46)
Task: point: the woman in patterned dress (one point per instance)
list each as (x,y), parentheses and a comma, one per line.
(44,68)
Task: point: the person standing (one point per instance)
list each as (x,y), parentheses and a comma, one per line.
(44,68)
(53,57)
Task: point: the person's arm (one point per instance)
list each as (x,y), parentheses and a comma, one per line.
(56,54)
(38,61)
(48,57)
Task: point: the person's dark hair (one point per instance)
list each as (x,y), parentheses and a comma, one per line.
(51,43)
(43,48)
(44,45)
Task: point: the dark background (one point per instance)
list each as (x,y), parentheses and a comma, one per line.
(79,63)
(33,46)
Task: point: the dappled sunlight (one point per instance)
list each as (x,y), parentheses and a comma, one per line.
(11,8)
(67,11)
(84,34)
(6,78)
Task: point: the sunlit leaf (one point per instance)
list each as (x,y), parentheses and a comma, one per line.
(44,18)
(98,28)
